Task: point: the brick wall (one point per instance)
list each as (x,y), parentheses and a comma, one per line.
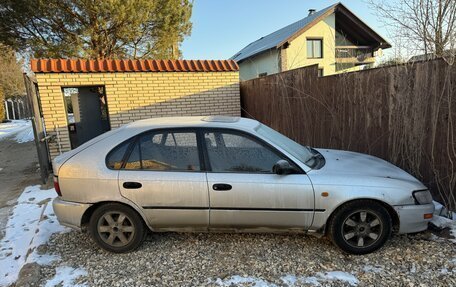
(133,96)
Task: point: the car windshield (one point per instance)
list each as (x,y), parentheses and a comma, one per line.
(302,153)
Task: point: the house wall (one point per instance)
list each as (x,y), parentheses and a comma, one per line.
(297,51)
(133,96)
(267,62)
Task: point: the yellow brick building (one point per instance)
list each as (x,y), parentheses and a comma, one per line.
(80,99)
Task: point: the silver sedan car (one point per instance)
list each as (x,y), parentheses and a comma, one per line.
(231,174)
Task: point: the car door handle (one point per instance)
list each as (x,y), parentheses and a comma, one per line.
(132,185)
(222,186)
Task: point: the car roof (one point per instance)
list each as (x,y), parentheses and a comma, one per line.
(196,121)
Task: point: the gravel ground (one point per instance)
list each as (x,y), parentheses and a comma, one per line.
(185,259)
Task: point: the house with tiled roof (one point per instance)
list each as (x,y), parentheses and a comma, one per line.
(334,38)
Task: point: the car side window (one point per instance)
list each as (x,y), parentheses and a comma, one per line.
(233,152)
(165,151)
(114,160)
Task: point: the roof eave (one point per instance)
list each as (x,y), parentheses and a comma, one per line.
(253,55)
(383,43)
(128,65)
(308,26)
(336,8)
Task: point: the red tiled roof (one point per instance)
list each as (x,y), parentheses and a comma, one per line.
(100,66)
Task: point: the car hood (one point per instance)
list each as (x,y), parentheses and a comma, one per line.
(361,165)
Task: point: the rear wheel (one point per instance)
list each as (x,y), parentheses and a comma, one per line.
(360,227)
(117,228)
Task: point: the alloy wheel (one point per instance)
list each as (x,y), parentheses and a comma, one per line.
(116,228)
(362,229)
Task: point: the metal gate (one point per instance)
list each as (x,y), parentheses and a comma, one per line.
(16,108)
(33,100)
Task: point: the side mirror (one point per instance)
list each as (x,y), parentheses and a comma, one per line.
(283,167)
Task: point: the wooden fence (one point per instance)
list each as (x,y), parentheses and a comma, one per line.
(405,114)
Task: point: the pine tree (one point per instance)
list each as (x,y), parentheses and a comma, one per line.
(96,28)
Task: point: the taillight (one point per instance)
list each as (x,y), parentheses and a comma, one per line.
(57,186)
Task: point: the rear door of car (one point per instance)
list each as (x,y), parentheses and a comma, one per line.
(245,193)
(163,174)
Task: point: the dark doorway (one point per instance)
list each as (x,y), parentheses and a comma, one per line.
(87,112)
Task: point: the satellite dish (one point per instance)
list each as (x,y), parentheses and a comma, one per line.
(361,57)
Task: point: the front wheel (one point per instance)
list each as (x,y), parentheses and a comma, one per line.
(117,228)
(360,227)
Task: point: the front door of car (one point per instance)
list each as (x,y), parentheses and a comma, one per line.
(245,193)
(163,175)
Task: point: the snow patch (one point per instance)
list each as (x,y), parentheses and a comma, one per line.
(21,129)
(25,135)
(250,281)
(65,277)
(339,276)
(312,280)
(289,280)
(30,225)
(443,271)
(42,259)
(372,269)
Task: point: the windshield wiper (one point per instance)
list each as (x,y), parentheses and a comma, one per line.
(308,148)
(315,154)
(312,157)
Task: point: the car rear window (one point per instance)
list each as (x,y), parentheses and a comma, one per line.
(115,158)
(161,151)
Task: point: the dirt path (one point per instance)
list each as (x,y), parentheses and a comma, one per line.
(18,169)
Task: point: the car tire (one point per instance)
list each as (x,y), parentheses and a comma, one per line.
(117,228)
(360,227)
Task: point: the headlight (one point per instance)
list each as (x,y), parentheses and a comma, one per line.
(422,196)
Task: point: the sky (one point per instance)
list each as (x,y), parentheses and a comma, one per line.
(221,28)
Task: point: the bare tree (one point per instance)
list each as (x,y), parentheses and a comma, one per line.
(427,26)
(11,79)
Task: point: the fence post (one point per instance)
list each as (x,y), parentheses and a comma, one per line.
(18,108)
(12,108)
(6,109)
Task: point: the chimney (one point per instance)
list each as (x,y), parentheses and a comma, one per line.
(311,11)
